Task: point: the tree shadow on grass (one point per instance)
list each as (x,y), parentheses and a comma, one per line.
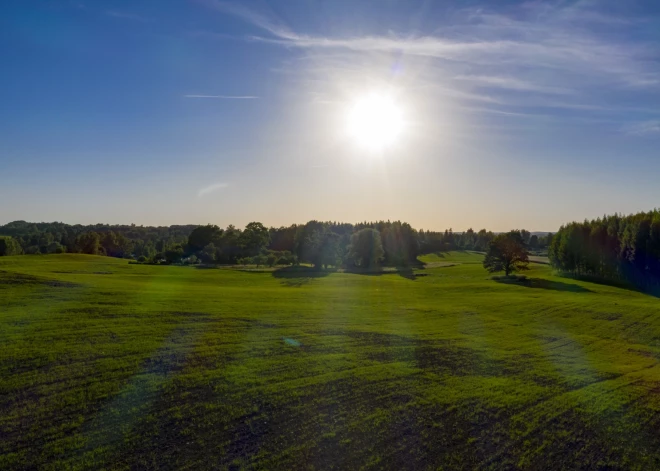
(651,290)
(405,272)
(417,263)
(541,283)
(207,266)
(301,272)
(409,273)
(298,276)
(598,280)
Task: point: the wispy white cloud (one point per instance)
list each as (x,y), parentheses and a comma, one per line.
(224,97)
(250,16)
(642,81)
(211,188)
(555,44)
(644,128)
(555,52)
(463,95)
(547,59)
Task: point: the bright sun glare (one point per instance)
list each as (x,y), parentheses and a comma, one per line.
(375,122)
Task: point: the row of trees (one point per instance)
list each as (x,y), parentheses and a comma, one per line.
(625,248)
(321,244)
(479,241)
(113,240)
(617,247)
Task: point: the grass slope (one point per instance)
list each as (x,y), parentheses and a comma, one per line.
(109,365)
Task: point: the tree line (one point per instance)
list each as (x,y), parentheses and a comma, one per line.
(321,244)
(616,247)
(124,241)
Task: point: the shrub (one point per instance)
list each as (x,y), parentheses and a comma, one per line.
(192,260)
(259,260)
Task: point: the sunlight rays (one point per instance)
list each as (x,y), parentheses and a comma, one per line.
(375,122)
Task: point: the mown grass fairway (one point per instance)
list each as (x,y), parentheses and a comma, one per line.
(118,366)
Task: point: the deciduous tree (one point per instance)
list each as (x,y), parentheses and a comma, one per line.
(507,253)
(366,248)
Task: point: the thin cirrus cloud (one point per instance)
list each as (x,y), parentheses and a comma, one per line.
(211,189)
(510,60)
(554,44)
(252,17)
(558,63)
(644,128)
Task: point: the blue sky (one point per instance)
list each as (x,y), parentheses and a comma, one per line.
(518,114)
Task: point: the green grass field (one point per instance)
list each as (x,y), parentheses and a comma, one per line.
(109,365)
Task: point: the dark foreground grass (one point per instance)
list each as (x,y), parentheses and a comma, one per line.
(109,365)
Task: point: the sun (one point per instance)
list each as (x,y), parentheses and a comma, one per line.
(375,122)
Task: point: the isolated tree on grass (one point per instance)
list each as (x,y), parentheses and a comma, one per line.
(366,248)
(507,253)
